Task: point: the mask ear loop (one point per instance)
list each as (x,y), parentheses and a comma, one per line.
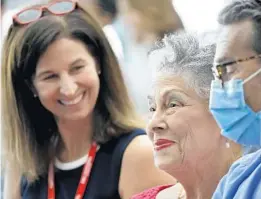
(252,76)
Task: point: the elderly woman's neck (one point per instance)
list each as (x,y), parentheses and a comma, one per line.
(202,188)
(76,138)
(202,182)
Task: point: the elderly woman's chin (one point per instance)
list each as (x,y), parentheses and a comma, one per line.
(168,159)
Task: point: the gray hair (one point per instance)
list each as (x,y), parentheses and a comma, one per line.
(187,55)
(240,10)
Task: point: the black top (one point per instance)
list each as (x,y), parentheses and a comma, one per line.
(104,178)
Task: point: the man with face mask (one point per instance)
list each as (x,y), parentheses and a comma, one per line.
(235,100)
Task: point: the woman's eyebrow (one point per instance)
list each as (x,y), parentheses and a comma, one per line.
(43,73)
(150,99)
(77,61)
(177,93)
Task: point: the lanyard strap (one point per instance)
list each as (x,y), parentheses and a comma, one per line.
(84,177)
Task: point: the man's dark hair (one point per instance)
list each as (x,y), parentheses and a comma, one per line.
(240,10)
(108,7)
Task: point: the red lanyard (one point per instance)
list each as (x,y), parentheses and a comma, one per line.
(84,177)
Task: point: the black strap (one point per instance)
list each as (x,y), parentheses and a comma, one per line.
(120,149)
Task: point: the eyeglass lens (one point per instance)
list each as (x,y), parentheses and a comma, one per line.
(57,8)
(29,15)
(61,7)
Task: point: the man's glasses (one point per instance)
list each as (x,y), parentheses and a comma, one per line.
(31,14)
(220,70)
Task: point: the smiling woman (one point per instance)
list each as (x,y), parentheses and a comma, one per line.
(67,131)
(187,141)
(67,85)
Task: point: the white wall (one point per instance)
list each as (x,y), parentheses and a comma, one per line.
(199,15)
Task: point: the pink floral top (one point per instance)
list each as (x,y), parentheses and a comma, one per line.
(151,193)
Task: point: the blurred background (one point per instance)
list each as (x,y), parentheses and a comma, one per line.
(197,15)
(132,27)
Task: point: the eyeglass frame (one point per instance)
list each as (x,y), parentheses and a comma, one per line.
(42,8)
(217,68)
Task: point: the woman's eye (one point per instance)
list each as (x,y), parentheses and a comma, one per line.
(172,104)
(50,77)
(77,68)
(152,109)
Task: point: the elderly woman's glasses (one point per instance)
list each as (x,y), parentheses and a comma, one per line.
(31,14)
(220,70)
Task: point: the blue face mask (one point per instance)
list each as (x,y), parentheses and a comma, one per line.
(238,122)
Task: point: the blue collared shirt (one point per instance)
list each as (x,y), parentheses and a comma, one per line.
(243,180)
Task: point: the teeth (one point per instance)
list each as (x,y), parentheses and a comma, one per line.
(72,102)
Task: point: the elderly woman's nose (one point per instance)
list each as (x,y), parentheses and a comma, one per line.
(157,123)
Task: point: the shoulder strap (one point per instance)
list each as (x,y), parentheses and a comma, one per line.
(120,148)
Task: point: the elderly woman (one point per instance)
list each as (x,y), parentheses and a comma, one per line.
(187,141)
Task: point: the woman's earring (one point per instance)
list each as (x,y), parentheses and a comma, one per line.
(35,96)
(99,72)
(227,144)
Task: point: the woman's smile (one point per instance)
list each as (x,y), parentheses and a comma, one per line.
(73,101)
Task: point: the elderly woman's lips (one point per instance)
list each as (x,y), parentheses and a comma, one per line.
(162,143)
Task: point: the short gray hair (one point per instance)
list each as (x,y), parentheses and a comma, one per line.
(187,55)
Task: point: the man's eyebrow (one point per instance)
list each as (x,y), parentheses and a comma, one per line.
(224,60)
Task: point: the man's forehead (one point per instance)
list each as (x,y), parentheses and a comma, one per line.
(234,41)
